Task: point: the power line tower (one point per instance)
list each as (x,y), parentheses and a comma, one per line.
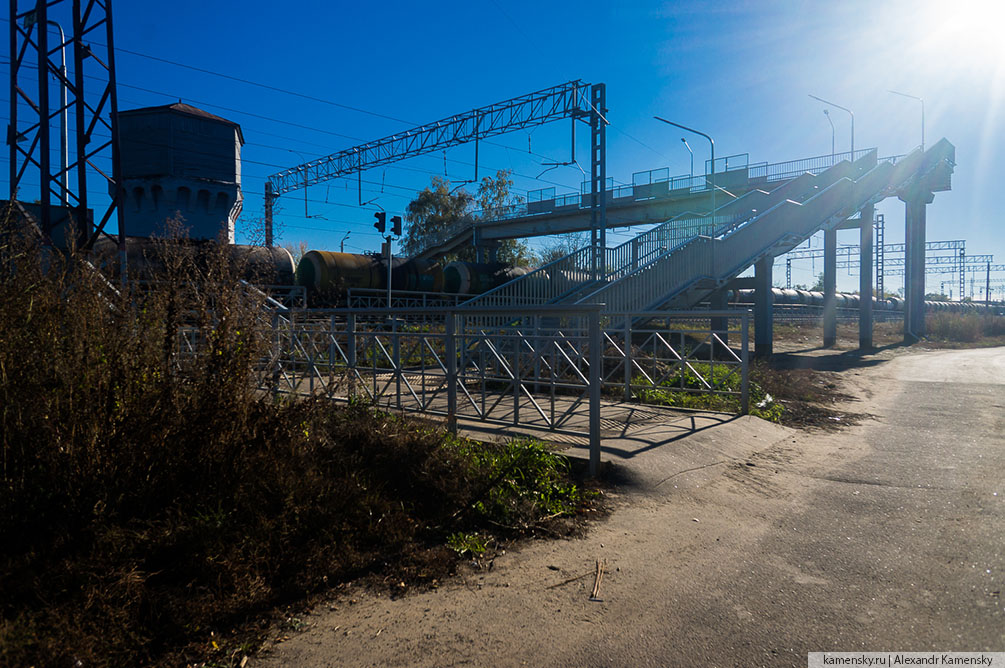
(92,108)
(880,253)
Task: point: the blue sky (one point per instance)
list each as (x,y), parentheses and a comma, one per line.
(740,71)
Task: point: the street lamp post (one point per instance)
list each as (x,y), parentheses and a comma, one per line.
(30,20)
(712,144)
(341,245)
(850,112)
(827,113)
(688,147)
(915,97)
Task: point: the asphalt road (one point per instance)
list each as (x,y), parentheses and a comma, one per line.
(744,544)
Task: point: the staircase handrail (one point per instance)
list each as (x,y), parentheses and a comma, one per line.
(542,285)
(710,257)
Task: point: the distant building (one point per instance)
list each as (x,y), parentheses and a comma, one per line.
(180,162)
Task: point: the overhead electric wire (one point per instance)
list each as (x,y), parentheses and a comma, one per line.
(246,160)
(297,125)
(277,89)
(301,126)
(313,98)
(293,93)
(262,85)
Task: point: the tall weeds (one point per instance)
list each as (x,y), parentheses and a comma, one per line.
(150,495)
(964,327)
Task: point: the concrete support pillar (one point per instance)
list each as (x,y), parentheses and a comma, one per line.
(830,287)
(865,278)
(763,311)
(915,207)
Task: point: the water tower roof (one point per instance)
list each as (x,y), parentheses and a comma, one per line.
(186,109)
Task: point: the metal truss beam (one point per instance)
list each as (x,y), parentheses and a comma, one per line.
(952,262)
(817,253)
(941,270)
(880,251)
(563,101)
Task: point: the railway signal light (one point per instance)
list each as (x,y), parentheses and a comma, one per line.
(396,225)
(381,223)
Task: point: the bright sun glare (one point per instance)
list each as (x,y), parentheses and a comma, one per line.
(971,32)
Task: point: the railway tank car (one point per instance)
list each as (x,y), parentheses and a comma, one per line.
(327,275)
(256,264)
(785,296)
(473,278)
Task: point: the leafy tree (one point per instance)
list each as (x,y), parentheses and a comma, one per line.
(436,213)
(561,246)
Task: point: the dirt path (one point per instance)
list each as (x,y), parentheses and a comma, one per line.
(743,543)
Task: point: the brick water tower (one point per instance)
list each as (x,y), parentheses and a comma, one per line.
(180,163)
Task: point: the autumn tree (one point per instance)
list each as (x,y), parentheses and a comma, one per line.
(434,215)
(297,250)
(438,213)
(561,246)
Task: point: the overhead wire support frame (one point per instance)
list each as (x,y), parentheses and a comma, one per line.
(562,101)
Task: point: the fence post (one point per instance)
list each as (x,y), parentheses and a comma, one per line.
(596,377)
(279,357)
(331,352)
(537,353)
(744,364)
(517,379)
(312,362)
(350,352)
(396,359)
(450,344)
(628,357)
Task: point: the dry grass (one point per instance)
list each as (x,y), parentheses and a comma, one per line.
(965,329)
(808,396)
(151,501)
(809,335)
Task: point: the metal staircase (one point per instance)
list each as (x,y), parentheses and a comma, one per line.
(686,274)
(576,276)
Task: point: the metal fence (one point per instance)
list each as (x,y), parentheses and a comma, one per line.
(559,368)
(375,298)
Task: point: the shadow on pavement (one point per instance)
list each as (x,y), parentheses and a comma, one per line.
(648,439)
(849,359)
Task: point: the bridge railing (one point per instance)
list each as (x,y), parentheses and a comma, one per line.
(657,183)
(780,171)
(733,245)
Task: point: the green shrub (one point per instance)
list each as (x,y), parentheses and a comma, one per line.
(467,543)
(685,389)
(522,480)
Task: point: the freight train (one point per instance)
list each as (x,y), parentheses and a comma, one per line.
(790,297)
(327,275)
(145,258)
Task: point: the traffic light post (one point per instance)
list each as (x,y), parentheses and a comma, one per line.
(381,226)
